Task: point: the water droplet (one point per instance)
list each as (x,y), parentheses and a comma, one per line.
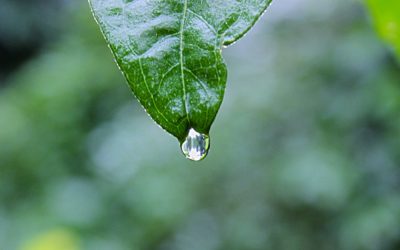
(196,145)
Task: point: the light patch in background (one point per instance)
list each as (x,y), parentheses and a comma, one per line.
(57,239)
(120,147)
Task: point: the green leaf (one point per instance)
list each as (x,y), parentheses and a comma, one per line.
(386,16)
(170,53)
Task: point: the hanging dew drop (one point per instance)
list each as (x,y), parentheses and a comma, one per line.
(196,145)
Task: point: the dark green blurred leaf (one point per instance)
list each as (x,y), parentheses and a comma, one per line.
(386,15)
(170,53)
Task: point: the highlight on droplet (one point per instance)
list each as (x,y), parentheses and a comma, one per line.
(195,146)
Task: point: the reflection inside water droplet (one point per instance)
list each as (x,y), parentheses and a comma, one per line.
(196,145)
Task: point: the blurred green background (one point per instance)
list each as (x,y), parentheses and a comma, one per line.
(305,149)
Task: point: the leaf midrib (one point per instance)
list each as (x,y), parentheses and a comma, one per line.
(185,8)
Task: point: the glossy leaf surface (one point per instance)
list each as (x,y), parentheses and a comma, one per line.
(170,53)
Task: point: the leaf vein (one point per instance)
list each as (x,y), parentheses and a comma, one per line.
(181,45)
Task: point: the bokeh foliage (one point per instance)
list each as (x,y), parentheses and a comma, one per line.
(386,16)
(305,152)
